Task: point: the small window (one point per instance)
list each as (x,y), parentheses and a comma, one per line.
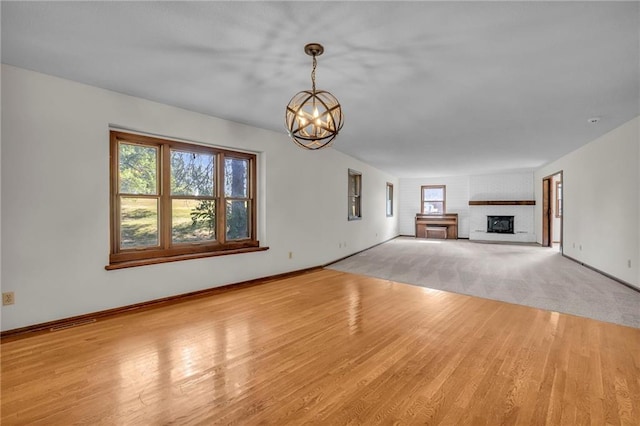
(433,199)
(355,190)
(173,200)
(558,199)
(389,199)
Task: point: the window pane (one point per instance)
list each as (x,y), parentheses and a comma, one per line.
(354,184)
(354,189)
(236,177)
(237,220)
(354,207)
(193,220)
(433,194)
(192,173)
(138,169)
(558,199)
(433,207)
(138,222)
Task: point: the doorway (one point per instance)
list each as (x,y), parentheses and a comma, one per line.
(552,214)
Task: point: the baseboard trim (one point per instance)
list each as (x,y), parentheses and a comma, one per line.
(513,243)
(624,283)
(358,252)
(413,236)
(64,323)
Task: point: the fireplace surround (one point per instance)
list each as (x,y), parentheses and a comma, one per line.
(500,224)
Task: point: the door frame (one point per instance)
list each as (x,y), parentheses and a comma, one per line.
(548,210)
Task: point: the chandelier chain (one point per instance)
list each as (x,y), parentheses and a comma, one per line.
(313,74)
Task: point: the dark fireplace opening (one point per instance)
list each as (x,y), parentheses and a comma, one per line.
(500,224)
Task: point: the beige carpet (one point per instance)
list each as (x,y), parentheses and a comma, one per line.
(523,274)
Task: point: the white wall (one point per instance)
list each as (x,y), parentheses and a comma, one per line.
(457,201)
(601,185)
(55,201)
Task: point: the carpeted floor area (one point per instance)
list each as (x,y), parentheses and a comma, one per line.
(522,274)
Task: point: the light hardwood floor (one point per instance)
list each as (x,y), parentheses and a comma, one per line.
(327,347)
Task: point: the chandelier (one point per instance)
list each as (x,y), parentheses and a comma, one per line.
(313,117)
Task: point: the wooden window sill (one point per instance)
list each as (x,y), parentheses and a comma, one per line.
(177,258)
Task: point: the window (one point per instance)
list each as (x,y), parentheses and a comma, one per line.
(433,199)
(389,199)
(558,199)
(172,201)
(355,189)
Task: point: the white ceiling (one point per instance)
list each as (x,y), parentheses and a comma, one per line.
(428,88)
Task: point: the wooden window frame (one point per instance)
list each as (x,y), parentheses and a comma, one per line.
(558,199)
(389,200)
(443,201)
(167,251)
(356,197)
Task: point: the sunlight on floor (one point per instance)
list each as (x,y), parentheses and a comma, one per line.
(419,240)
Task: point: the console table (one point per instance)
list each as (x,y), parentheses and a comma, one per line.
(429,224)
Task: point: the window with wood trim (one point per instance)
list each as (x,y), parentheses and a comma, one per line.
(433,199)
(558,199)
(389,199)
(174,200)
(355,190)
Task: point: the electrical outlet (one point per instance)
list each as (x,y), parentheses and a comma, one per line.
(8,298)
(290,255)
(629,263)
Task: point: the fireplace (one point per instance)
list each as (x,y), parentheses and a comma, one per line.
(500,224)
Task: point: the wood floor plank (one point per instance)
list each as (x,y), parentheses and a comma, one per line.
(327,347)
